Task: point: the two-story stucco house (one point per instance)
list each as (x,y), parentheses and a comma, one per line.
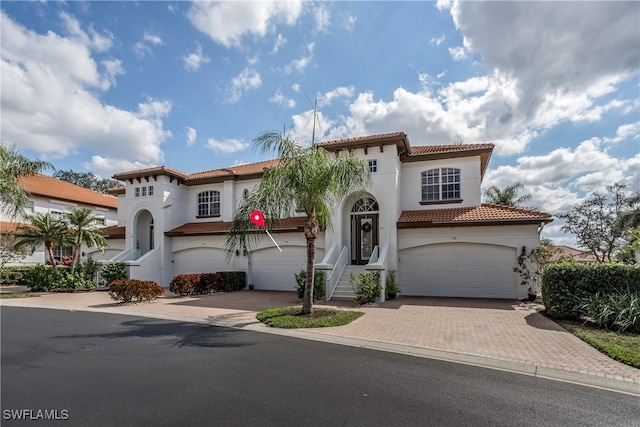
(422,217)
(54,196)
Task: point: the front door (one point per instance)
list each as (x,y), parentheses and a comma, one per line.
(364,230)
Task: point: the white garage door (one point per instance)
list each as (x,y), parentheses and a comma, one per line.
(274,270)
(459,270)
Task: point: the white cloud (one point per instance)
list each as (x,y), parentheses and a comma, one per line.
(142,47)
(193,61)
(329,97)
(280,41)
(42,72)
(301,63)
(93,40)
(191,136)
(228,22)
(435,41)
(457,53)
(283,101)
(248,79)
(227,146)
(351,23)
(322,17)
(109,166)
(580,49)
(295,87)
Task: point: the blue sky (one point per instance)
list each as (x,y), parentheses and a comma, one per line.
(113,86)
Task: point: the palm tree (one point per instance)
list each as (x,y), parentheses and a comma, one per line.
(507,196)
(307,179)
(42,228)
(81,227)
(13,165)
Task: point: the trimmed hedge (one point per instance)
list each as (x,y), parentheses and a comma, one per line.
(566,285)
(131,290)
(208,283)
(14,275)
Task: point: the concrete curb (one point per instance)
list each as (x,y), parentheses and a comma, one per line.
(519,368)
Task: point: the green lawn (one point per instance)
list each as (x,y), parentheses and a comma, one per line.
(291,317)
(622,347)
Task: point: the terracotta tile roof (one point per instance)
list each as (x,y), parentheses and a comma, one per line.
(399,138)
(451,148)
(150,172)
(485,214)
(117,190)
(576,254)
(114,232)
(239,171)
(46,186)
(221,227)
(11,227)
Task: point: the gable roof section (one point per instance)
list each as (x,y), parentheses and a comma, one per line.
(46,186)
(436,152)
(400,139)
(221,227)
(246,171)
(485,214)
(147,173)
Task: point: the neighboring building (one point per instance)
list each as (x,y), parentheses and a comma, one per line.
(422,217)
(561,252)
(51,195)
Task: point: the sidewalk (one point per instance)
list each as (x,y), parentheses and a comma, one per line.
(498,334)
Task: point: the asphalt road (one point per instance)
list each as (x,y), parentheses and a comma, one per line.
(89,369)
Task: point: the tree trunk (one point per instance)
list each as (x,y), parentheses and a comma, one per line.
(311,229)
(49,245)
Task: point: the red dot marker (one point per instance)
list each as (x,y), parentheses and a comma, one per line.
(257,218)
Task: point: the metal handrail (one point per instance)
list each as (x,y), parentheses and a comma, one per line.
(336,272)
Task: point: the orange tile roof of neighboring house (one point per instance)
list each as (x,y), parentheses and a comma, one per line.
(10,227)
(576,254)
(485,214)
(46,186)
(221,227)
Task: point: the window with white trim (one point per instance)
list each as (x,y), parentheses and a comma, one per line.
(209,203)
(373,166)
(441,184)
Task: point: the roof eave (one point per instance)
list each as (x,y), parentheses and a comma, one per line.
(474,223)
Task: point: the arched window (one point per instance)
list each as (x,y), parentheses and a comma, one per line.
(209,203)
(366,204)
(441,184)
(245,193)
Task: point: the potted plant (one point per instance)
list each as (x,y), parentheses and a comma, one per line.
(391,289)
(531,294)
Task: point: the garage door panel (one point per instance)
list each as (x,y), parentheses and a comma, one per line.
(459,270)
(275,270)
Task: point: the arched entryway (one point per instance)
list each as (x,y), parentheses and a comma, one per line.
(144,232)
(364,229)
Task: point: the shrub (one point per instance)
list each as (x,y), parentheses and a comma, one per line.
(318,284)
(70,282)
(234,280)
(184,284)
(14,275)
(366,286)
(42,278)
(210,283)
(619,311)
(131,290)
(112,271)
(565,286)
